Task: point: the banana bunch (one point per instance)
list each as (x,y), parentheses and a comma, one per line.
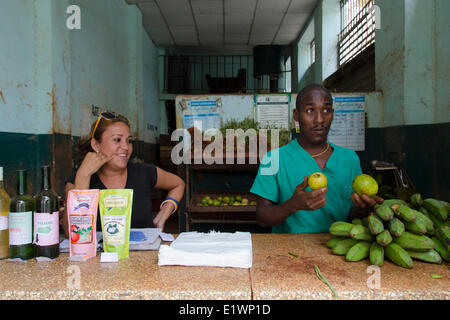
(397,230)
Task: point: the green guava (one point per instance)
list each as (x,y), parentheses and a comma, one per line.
(365,184)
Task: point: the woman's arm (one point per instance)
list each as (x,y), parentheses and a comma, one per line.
(175,187)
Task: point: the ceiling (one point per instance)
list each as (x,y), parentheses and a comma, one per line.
(238,24)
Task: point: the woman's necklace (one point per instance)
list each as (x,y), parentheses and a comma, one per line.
(321,153)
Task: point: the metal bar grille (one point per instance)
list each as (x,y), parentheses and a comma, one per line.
(357,28)
(187,74)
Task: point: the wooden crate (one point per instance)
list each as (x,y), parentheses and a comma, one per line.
(221,213)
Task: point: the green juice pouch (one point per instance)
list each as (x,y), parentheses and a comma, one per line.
(115,215)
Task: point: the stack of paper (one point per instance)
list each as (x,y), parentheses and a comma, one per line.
(212,249)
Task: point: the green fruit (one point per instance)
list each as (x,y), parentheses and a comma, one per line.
(440,247)
(384,212)
(396,227)
(415,242)
(430,256)
(384,238)
(238,198)
(406,213)
(376,254)
(365,184)
(398,255)
(443,234)
(390,202)
(375,224)
(416,200)
(358,252)
(340,228)
(360,232)
(416,227)
(341,248)
(436,208)
(253,203)
(333,241)
(357,221)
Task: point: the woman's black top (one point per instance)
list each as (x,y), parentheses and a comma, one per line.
(141,177)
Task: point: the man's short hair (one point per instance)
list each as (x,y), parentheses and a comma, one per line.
(308,88)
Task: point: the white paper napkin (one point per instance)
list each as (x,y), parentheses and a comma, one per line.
(212,249)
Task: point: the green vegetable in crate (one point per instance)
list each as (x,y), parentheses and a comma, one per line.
(430,256)
(398,255)
(384,238)
(340,228)
(416,200)
(440,247)
(333,241)
(436,208)
(404,212)
(396,227)
(341,248)
(376,254)
(443,234)
(360,232)
(358,252)
(416,242)
(384,211)
(375,224)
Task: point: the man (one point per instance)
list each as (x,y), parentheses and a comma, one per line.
(285,201)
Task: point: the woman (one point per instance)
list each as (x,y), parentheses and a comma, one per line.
(106,154)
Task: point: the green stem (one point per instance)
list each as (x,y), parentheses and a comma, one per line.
(321,277)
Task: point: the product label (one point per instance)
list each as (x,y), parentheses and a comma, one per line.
(20,228)
(81,229)
(4,225)
(114,229)
(46,228)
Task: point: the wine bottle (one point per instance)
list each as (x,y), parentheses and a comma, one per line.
(4,210)
(46,219)
(21,221)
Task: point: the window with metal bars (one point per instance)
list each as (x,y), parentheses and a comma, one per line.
(357,28)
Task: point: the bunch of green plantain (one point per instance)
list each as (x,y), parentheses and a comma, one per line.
(401,231)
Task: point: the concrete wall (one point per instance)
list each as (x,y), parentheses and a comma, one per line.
(408,117)
(50,77)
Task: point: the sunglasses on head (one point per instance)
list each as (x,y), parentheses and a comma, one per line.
(108,115)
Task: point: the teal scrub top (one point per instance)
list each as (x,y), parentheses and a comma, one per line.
(281,170)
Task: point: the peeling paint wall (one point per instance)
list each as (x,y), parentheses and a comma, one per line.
(50,77)
(411,61)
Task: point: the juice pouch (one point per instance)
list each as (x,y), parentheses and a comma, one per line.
(82,221)
(115,216)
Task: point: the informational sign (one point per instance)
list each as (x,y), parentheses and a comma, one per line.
(273,110)
(348,126)
(204,112)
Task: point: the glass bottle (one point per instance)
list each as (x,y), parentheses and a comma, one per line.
(4,211)
(46,219)
(21,221)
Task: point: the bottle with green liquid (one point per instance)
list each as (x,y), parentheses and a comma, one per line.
(4,211)
(46,219)
(21,221)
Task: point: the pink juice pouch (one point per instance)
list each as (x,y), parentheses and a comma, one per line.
(82,223)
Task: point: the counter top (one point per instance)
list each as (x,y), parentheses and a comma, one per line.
(275,274)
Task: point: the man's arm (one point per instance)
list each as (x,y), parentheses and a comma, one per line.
(270,214)
(362,205)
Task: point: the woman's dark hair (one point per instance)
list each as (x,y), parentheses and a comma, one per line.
(84,145)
